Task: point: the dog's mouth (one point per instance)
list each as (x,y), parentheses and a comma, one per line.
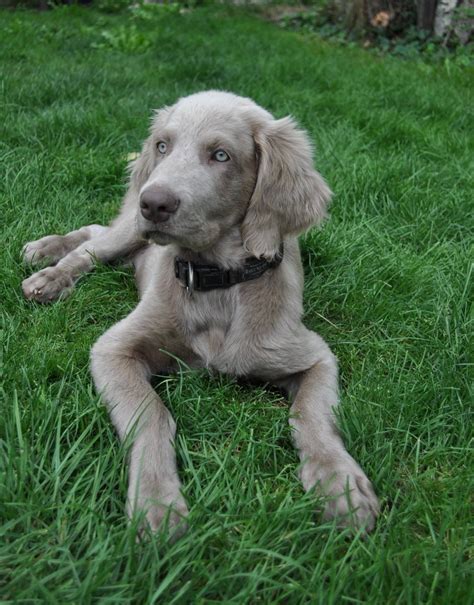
(155,233)
(155,236)
(185,236)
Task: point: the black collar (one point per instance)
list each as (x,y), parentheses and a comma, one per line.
(201,278)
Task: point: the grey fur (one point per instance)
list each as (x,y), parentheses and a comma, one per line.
(268,192)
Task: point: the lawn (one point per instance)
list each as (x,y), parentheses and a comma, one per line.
(387,284)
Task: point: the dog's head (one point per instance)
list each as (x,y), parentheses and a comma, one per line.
(214,161)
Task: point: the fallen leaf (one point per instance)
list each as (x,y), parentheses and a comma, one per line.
(381,19)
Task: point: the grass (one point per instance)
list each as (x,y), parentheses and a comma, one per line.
(387,284)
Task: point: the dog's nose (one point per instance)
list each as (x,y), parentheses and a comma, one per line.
(157,205)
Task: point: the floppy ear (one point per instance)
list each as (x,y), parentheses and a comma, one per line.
(289,194)
(141,168)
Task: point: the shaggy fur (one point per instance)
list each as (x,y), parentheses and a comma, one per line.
(266,193)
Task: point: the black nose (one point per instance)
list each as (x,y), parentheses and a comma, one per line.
(157,205)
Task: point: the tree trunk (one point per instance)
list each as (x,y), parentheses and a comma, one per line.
(444,16)
(426,10)
(360,14)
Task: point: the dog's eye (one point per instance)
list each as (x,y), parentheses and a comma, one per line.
(161,146)
(220,156)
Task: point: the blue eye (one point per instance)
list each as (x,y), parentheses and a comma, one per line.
(161,146)
(220,156)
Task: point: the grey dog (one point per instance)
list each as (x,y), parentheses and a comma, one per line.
(215,201)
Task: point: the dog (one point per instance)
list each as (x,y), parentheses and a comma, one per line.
(215,202)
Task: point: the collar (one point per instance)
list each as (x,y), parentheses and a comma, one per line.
(202,278)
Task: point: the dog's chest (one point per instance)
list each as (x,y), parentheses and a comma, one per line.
(209,324)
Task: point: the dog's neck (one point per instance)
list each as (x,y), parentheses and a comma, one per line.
(224,266)
(228,252)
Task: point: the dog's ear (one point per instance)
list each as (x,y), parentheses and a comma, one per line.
(141,168)
(289,194)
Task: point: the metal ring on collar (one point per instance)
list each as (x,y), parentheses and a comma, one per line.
(190,286)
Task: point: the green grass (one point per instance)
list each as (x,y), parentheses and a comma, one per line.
(387,284)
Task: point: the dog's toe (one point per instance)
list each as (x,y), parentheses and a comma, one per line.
(47,285)
(349,497)
(46,250)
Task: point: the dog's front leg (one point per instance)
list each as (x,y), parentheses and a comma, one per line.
(105,245)
(50,249)
(122,361)
(325,463)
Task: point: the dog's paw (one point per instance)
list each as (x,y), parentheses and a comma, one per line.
(349,497)
(47,250)
(47,285)
(170,519)
(166,513)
